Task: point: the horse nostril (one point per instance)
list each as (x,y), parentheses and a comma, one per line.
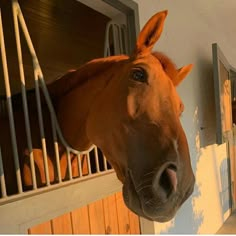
(167,182)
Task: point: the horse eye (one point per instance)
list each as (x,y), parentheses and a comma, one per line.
(139,74)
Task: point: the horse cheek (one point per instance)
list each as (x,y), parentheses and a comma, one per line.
(132,107)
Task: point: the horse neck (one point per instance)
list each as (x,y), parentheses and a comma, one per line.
(73,106)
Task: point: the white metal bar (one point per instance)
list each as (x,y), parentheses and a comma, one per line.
(124,32)
(24,99)
(120,39)
(69,163)
(52,113)
(96,159)
(56,149)
(107,51)
(79,165)
(41,128)
(2,178)
(105,162)
(115,41)
(9,107)
(89,164)
(57,161)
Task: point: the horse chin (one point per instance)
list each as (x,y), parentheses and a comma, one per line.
(150,210)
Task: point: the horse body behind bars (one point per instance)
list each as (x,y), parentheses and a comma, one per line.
(127,106)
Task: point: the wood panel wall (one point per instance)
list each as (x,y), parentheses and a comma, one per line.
(106,216)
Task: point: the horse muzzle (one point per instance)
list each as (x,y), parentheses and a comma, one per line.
(159,195)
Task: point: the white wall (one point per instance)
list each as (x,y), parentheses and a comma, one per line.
(190,29)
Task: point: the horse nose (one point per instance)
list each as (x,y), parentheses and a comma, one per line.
(165,182)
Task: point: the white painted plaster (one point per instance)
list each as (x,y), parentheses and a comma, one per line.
(190,29)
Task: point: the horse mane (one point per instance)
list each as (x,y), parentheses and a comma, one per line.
(168,65)
(75,78)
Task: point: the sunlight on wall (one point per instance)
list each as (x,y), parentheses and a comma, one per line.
(209,206)
(209,182)
(209,211)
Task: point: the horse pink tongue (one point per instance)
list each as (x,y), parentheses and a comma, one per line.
(172,177)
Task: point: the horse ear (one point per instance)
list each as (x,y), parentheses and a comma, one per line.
(182,73)
(150,33)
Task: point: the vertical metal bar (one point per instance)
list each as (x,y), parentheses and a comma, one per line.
(79,165)
(96,159)
(41,128)
(2,177)
(89,164)
(124,32)
(57,161)
(16,8)
(120,40)
(116,43)
(56,149)
(24,99)
(106,44)
(9,107)
(69,162)
(104,162)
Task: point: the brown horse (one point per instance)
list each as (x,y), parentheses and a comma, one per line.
(127,106)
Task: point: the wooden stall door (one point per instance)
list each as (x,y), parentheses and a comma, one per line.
(106,216)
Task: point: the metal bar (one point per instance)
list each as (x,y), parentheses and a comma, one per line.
(57,161)
(37,69)
(96,159)
(56,149)
(24,99)
(115,41)
(9,107)
(52,113)
(17,10)
(120,39)
(79,165)
(41,128)
(2,178)
(104,162)
(69,163)
(106,43)
(89,164)
(124,32)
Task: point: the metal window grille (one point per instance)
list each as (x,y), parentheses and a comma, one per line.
(115,43)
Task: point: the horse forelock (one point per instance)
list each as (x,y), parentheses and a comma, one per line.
(168,65)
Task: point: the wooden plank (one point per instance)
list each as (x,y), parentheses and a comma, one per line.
(62,224)
(110,215)
(80,221)
(96,218)
(18,218)
(134,223)
(44,228)
(123,215)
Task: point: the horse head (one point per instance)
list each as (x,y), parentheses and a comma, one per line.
(136,123)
